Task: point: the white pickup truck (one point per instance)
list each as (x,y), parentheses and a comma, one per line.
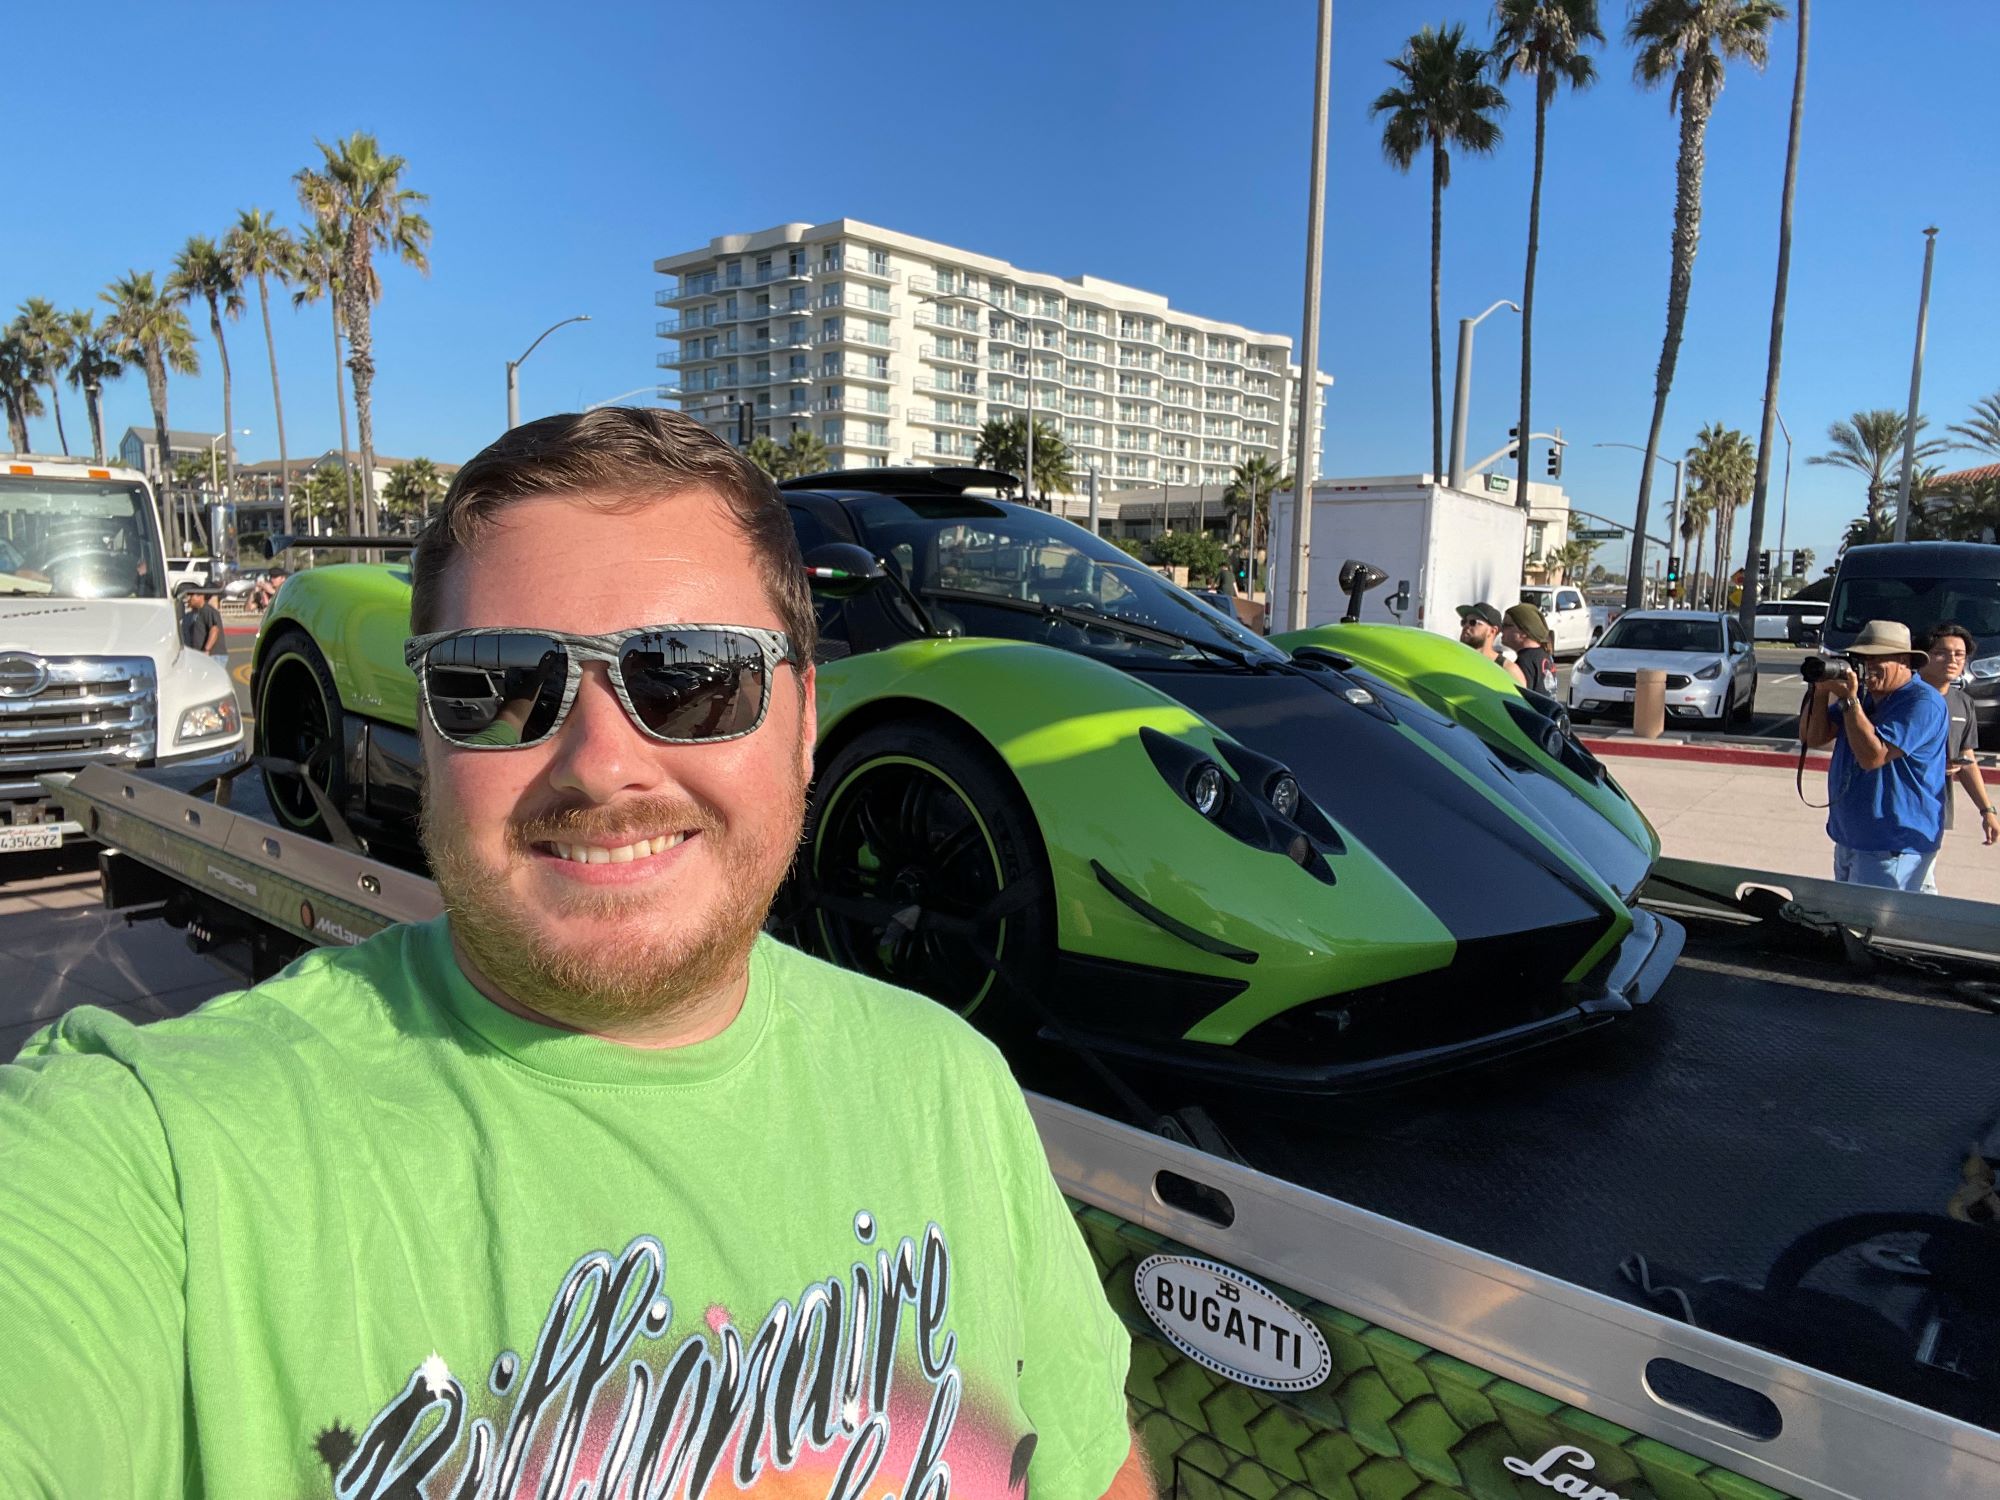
(92,668)
(1568,614)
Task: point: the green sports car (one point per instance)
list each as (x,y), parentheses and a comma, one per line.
(1054,790)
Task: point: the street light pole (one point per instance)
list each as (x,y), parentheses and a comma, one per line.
(1461,396)
(1785,501)
(1916,389)
(1302,468)
(1673,521)
(514,369)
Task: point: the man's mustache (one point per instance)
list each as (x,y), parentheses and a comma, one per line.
(623,822)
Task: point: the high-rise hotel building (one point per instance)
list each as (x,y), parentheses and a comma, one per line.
(894,350)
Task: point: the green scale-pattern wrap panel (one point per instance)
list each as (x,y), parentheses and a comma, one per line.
(1395,1420)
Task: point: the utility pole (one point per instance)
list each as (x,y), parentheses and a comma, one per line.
(1302,468)
(1916,390)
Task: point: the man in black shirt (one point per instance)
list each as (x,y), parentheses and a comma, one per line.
(201,627)
(1525,632)
(1948,649)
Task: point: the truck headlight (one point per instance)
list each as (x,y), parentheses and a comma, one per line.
(1984,670)
(1710,672)
(208,721)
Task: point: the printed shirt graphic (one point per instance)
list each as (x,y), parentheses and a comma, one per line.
(359,1233)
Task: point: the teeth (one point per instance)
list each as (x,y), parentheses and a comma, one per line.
(592,854)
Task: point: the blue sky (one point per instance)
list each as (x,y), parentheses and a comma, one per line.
(1163,145)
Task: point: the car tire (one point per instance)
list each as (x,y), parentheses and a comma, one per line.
(299,719)
(921,819)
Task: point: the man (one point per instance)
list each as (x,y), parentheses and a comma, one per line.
(1525,632)
(201,626)
(1948,649)
(267,589)
(586,1185)
(1479,627)
(1887,729)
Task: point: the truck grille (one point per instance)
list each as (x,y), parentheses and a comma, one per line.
(64,713)
(1631,679)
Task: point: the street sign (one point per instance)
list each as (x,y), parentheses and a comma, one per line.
(1597,536)
(1497,484)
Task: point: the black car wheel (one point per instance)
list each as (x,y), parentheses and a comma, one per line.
(298,719)
(922,866)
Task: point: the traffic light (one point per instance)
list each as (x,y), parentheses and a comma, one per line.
(1763,568)
(1514,437)
(743,412)
(1673,570)
(1556,461)
(1798,562)
(1243,571)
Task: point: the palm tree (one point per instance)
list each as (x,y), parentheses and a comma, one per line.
(1686,41)
(1445,101)
(765,454)
(45,334)
(1871,443)
(202,270)
(318,273)
(1000,448)
(1570,560)
(804,454)
(359,192)
(92,362)
(1542,40)
(17,387)
(1696,513)
(1981,431)
(260,249)
(1721,467)
(152,328)
(1257,478)
(412,489)
(1760,492)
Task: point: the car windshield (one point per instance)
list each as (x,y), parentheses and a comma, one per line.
(73,539)
(960,548)
(1920,603)
(1656,634)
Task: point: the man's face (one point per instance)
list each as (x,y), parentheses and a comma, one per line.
(1882,675)
(1475,633)
(1946,662)
(589,944)
(1514,638)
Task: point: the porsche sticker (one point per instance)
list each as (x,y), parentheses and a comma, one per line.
(1231,1324)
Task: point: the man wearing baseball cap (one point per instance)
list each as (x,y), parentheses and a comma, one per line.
(1887,729)
(1525,632)
(1479,628)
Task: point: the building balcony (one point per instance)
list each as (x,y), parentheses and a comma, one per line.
(927,287)
(859,266)
(859,335)
(854,369)
(881,306)
(934,418)
(945,318)
(866,442)
(945,384)
(1137,362)
(948,354)
(854,406)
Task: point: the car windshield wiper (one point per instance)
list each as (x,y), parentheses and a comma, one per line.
(1088,619)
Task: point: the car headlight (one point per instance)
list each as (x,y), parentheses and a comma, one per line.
(1283,792)
(208,721)
(1984,670)
(1582,667)
(1205,788)
(1710,672)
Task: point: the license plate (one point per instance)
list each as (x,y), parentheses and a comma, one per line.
(14,840)
(1627,694)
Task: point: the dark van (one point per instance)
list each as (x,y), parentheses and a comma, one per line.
(1925,584)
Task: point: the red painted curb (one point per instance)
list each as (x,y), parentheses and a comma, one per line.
(1724,755)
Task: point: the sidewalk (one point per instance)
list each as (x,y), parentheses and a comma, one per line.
(1750,815)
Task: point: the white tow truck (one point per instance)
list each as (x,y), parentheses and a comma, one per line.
(92,666)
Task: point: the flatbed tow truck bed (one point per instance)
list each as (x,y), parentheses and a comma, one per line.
(1569,1251)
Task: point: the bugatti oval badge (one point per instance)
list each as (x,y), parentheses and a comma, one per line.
(1233,1325)
(21,675)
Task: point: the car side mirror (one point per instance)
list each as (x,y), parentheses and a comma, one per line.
(842,570)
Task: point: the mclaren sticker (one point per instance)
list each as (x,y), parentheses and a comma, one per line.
(326,927)
(1233,1325)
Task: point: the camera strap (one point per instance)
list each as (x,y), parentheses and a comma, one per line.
(1800,777)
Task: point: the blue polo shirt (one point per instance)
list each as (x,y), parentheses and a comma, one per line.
(1896,809)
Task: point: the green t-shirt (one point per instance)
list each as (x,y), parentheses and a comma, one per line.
(359,1232)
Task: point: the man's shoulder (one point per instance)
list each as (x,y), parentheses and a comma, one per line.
(870,1013)
(331,998)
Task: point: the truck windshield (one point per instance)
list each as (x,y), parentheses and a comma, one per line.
(77,539)
(1920,603)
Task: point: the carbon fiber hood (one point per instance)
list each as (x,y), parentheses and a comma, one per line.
(1431,800)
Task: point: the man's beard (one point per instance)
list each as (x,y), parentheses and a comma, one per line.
(656,968)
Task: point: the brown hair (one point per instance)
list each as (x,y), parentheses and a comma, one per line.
(636,454)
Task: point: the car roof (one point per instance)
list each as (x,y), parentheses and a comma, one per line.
(1677,614)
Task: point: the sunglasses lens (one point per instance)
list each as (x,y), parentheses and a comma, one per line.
(495,689)
(694,684)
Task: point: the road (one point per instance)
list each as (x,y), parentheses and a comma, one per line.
(1779,689)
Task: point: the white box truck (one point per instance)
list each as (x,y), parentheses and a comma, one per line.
(1452,547)
(92,668)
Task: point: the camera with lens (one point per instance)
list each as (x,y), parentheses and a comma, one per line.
(1813,668)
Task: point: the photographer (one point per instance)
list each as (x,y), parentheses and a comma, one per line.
(1887,729)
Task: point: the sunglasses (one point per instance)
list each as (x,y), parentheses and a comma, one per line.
(506,688)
